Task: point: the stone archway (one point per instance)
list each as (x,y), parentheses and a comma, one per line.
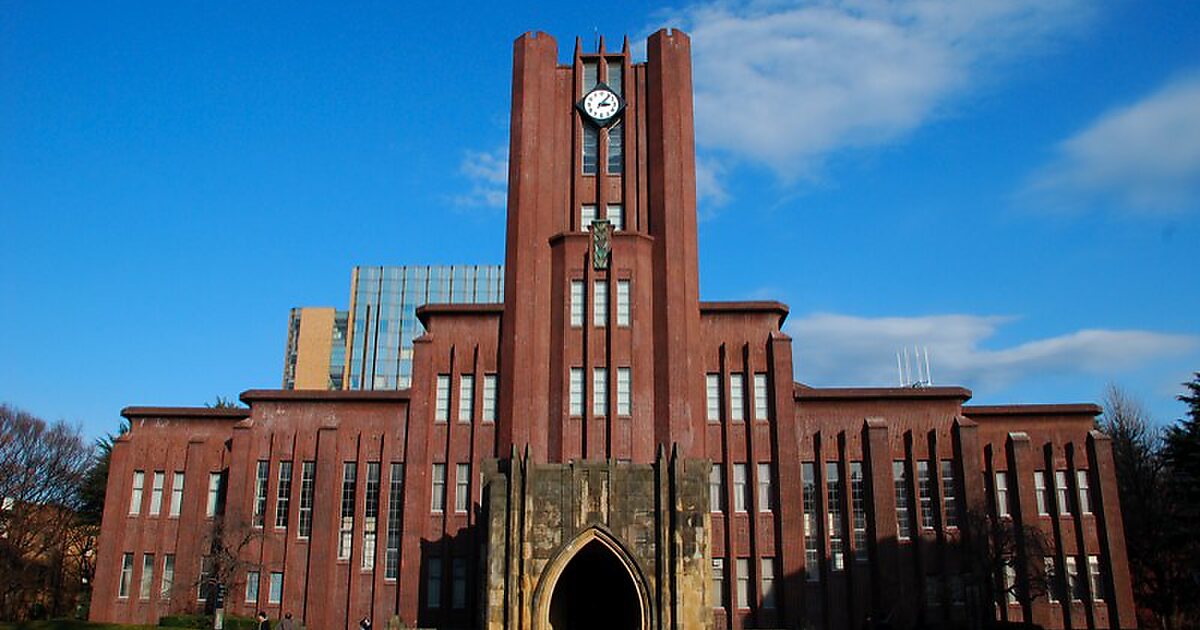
(593,584)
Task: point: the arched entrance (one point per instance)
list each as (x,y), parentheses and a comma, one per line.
(593,584)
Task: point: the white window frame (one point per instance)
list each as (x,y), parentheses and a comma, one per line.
(716,488)
(761,403)
(1039,492)
(156,492)
(441,411)
(135,497)
(1003,509)
(126,580)
(252,584)
(577,299)
(766,579)
(1083,485)
(600,392)
(466,398)
(766,497)
(1095,579)
(462,488)
(167,581)
(737,396)
(615,213)
(176,494)
(599,303)
(1062,493)
(438,488)
(146,584)
(743,583)
(712,388)
(741,502)
(275,588)
(491,387)
(575,391)
(623,289)
(624,393)
(214,494)
(587,211)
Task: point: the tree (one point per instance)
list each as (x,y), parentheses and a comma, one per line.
(228,544)
(222,402)
(95,483)
(1181,460)
(1003,561)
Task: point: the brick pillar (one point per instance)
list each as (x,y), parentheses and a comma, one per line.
(1111,530)
(885,571)
(1021,464)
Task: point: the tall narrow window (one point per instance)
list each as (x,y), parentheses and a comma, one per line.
(126,575)
(712,383)
(615,212)
(615,70)
(743,582)
(858,503)
(168,577)
(812,558)
(622,302)
(442,403)
(1074,583)
(616,149)
(371,516)
(391,561)
(252,587)
(214,494)
(576,391)
(275,594)
(949,494)
(1010,584)
(147,576)
(624,383)
(833,488)
(1085,494)
(1095,578)
(135,498)
(466,398)
(767,582)
(433,584)
(308,474)
(600,303)
(204,583)
(576,303)
(716,488)
(737,396)
(1002,507)
(718,583)
(591,143)
(458,584)
(156,492)
(741,491)
(490,389)
(903,500)
(260,492)
(761,409)
(462,487)
(1039,490)
(1062,492)
(439,488)
(591,75)
(176,493)
(283,495)
(766,498)
(1053,583)
(925,493)
(587,214)
(600,392)
(346,523)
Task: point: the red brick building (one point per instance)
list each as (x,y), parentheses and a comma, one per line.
(604,449)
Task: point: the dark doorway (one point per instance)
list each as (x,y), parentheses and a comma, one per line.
(595,591)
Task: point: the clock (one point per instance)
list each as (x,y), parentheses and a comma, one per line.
(601,105)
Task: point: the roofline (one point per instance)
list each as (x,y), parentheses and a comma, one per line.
(1088,409)
(231,413)
(251,396)
(425,310)
(747,306)
(804,392)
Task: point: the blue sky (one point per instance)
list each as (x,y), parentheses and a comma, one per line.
(1015,185)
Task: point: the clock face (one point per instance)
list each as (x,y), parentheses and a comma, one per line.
(602,104)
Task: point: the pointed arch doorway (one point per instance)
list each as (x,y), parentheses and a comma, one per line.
(593,585)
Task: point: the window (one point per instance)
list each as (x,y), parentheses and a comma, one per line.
(616,212)
(600,392)
(576,303)
(168,577)
(576,391)
(767,582)
(433,583)
(599,303)
(740,489)
(439,487)
(275,594)
(147,576)
(126,575)
(833,488)
(1095,579)
(176,493)
(766,498)
(466,398)
(204,583)
(587,214)
(371,516)
(1039,490)
(1010,584)
(718,582)
(1084,491)
(760,397)
(1075,584)
(712,384)
(462,489)
(925,493)
(1002,507)
(812,567)
(391,560)
(858,503)
(214,494)
(252,587)
(903,500)
(949,494)
(260,492)
(156,493)
(737,396)
(1062,493)
(135,498)
(283,495)
(624,402)
(743,583)
(308,473)
(716,488)
(442,404)
(346,524)
(1054,586)
(490,388)
(616,149)
(458,584)
(591,75)
(622,302)
(591,142)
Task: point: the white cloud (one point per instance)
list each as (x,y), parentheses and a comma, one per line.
(488,174)
(833,349)
(787,83)
(1145,156)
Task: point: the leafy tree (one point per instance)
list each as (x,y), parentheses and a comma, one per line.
(1181,458)
(95,483)
(1003,561)
(222,402)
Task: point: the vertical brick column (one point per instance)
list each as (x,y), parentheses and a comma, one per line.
(1021,466)
(885,571)
(1115,562)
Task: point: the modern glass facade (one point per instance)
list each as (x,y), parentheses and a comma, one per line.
(316,357)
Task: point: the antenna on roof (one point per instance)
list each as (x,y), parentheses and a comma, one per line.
(596,38)
(919,360)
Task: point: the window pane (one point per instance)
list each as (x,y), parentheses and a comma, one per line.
(600,303)
(466,398)
(616,150)
(577,303)
(903,501)
(622,302)
(760,397)
(737,400)
(439,487)
(812,568)
(576,391)
(712,384)
(600,392)
(442,404)
(624,383)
